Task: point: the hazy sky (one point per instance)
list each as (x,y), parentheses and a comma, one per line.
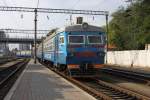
(48,21)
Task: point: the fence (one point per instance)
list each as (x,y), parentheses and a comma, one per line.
(130,58)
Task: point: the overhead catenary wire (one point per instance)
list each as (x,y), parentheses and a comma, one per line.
(4,2)
(13,21)
(72,7)
(37,3)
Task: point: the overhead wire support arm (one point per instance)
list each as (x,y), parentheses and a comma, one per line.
(50,10)
(24,31)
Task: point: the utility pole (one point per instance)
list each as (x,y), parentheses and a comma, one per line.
(42,49)
(107,31)
(35,35)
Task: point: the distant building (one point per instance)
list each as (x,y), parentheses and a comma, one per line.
(4,48)
(24,46)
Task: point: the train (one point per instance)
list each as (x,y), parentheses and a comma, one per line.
(78,50)
(24,54)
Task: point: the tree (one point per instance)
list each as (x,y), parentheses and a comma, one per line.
(130,27)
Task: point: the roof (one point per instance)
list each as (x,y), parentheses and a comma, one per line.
(79,27)
(71,28)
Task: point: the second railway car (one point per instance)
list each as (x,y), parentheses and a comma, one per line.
(77,49)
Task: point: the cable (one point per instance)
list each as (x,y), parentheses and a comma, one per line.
(4,2)
(99,4)
(38,3)
(72,7)
(75,4)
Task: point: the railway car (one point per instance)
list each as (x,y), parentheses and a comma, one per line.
(23,54)
(77,49)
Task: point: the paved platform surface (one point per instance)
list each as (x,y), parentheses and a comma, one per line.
(39,83)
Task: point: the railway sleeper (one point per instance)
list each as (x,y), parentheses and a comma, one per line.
(118,95)
(125,96)
(121,96)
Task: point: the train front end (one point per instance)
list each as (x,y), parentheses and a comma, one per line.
(85,51)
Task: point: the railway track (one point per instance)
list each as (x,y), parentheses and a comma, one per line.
(113,91)
(5,60)
(136,76)
(102,90)
(9,75)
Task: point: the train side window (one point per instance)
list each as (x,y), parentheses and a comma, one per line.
(61,39)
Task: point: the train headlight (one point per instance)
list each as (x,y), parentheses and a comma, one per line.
(85,25)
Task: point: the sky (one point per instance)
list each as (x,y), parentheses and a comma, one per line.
(22,20)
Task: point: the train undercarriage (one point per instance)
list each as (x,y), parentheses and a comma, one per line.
(83,70)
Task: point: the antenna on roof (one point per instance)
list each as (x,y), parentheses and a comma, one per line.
(71,19)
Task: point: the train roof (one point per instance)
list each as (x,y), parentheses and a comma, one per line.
(75,28)
(80,27)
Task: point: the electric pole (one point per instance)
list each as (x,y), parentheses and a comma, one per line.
(35,35)
(107,32)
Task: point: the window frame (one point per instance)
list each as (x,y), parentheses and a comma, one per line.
(94,35)
(76,35)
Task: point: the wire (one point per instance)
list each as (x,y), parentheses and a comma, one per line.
(75,4)
(72,7)
(38,3)
(4,2)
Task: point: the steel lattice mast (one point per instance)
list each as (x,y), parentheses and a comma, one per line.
(26,31)
(50,10)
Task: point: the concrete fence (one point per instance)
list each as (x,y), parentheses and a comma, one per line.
(129,58)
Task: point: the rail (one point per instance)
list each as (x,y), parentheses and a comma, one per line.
(7,75)
(6,59)
(137,76)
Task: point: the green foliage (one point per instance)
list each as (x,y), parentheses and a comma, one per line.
(130,28)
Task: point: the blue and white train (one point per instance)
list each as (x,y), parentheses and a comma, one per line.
(77,49)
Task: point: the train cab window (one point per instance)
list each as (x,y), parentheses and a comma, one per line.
(94,39)
(61,39)
(76,39)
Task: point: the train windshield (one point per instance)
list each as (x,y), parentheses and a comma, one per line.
(76,39)
(94,39)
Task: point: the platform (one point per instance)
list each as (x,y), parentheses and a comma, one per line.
(39,83)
